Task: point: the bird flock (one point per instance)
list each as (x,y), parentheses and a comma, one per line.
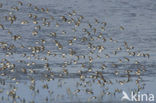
(39,44)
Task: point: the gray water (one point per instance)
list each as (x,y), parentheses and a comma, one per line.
(136,16)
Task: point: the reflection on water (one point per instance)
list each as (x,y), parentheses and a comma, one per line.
(82,51)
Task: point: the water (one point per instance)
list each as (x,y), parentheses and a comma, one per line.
(136,17)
